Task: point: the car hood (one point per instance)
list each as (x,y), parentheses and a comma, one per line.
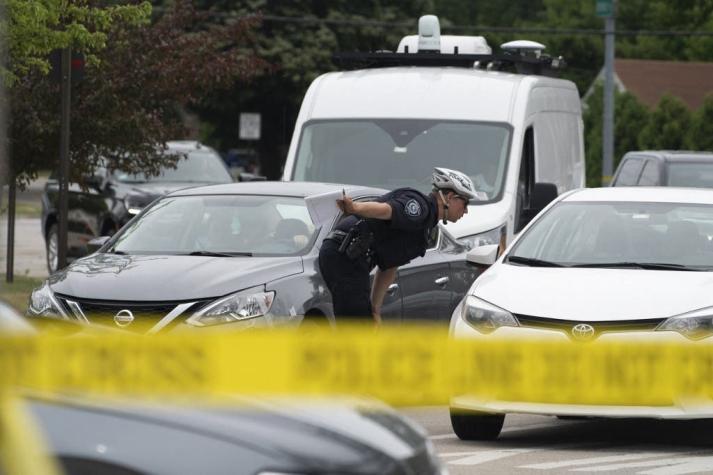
(326,437)
(594,294)
(168,278)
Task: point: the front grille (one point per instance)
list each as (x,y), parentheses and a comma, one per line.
(145,314)
(609,326)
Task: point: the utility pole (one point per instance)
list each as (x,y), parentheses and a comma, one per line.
(66,61)
(607,9)
(11,202)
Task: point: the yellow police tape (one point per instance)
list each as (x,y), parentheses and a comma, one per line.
(401,365)
(22,447)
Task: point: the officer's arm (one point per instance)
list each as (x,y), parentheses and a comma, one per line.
(365,209)
(382,280)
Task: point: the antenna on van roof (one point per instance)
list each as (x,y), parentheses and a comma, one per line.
(460,51)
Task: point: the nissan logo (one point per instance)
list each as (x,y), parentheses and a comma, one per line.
(582,332)
(124,318)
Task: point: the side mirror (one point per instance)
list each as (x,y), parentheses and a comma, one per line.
(95,181)
(244,176)
(542,195)
(95,244)
(483,255)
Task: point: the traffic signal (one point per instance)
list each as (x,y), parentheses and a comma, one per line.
(77,66)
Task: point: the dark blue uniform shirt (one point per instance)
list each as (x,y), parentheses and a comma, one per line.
(405,236)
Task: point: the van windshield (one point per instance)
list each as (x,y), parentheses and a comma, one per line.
(394,153)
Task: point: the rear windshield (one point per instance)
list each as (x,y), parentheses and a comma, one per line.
(696,175)
(194,167)
(394,153)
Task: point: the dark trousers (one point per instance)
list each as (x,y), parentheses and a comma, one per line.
(348,282)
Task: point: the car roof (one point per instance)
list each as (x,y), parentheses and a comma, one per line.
(651,194)
(674,155)
(280,188)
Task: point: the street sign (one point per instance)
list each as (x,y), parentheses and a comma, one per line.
(605,8)
(249,126)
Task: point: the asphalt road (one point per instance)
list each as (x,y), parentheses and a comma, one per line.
(29,247)
(538,444)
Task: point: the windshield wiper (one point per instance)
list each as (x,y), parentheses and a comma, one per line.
(528,261)
(641,265)
(219,254)
(114,251)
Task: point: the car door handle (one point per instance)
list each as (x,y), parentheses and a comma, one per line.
(392,289)
(441,280)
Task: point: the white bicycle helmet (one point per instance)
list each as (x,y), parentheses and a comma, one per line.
(447,179)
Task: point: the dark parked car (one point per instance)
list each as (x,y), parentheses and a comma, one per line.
(113,197)
(241,255)
(665,168)
(283,438)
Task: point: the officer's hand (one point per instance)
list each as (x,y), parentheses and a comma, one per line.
(346,205)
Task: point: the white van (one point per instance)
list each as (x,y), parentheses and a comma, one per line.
(388,125)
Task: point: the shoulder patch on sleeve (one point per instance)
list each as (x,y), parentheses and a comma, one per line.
(413,208)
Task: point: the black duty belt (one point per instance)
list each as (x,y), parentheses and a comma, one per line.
(336,235)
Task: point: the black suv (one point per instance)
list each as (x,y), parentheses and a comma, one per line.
(113,197)
(665,168)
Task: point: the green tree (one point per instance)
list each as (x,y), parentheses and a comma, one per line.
(667,126)
(128,104)
(33,28)
(630,116)
(700,136)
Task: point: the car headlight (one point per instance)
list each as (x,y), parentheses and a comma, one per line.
(486,317)
(240,306)
(693,325)
(494,236)
(44,304)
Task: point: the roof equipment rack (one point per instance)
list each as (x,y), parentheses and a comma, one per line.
(429,48)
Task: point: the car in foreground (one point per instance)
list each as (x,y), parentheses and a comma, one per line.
(236,256)
(665,168)
(112,197)
(605,264)
(250,438)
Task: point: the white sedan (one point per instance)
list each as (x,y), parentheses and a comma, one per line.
(600,264)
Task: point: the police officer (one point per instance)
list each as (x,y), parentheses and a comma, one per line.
(388,232)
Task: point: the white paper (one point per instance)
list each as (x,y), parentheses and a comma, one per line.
(323,207)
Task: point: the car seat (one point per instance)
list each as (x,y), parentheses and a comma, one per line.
(293,231)
(683,242)
(612,242)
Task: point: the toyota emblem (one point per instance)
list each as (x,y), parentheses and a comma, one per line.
(124,318)
(582,332)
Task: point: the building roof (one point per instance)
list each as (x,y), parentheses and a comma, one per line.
(648,80)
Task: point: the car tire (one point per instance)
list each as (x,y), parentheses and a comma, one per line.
(476,425)
(52,248)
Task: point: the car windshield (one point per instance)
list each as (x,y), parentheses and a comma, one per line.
(691,174)
(620,234)
(194,167)
(393,153)
(233,225)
